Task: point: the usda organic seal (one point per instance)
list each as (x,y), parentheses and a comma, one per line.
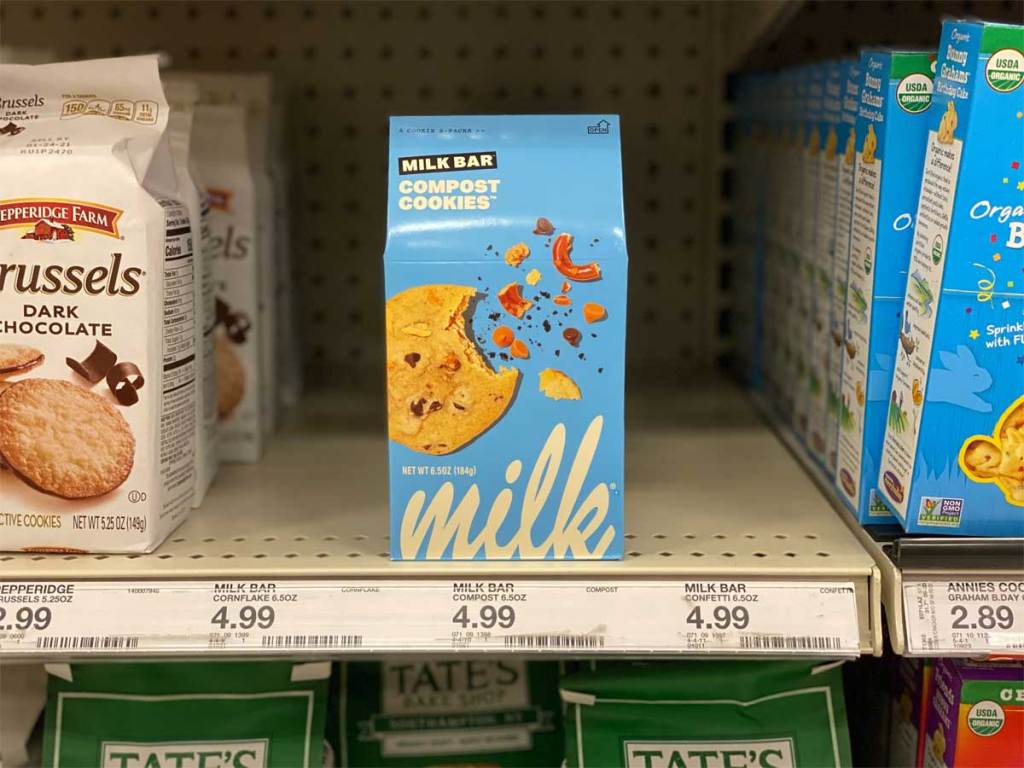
(1005,70)
(914,93)
(986,718)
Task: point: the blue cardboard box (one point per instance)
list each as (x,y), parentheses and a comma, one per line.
(829,158)
(846,155)
(892,127)
(953,459)
(505,279)
(810,87)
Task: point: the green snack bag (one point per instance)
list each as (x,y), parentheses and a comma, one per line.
(431,713)
(186,715)
(706,714)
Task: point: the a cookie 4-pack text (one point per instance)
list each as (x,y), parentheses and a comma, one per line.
(505,272)
(137,316)
(926,370)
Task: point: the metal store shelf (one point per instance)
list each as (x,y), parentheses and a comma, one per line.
(904,559)
(711,494)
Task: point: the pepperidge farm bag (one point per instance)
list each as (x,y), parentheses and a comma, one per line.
(97,355)
(182,96)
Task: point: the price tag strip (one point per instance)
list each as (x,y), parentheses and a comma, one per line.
(964,618)
(429,615)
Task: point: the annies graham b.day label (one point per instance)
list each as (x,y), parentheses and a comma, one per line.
(505,271)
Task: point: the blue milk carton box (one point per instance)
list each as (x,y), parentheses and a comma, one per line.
(810,88)
(505,279)
(892,128)
(953,460)
(846,156)
(829,158)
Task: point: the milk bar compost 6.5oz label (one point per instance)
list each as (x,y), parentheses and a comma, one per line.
(97,354)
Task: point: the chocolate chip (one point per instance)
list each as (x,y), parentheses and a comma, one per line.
(412,358)
(572,335)
(600,370)
(417,407)
(547,326)
(545,294)
(458,407)
(435,406)
(558,353)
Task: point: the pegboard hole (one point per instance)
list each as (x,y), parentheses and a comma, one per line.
(728,554)
(696,554)
(664,553)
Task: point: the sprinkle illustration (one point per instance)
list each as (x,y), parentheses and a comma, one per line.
(974,333)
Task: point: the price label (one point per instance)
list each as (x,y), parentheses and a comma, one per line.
(693,617)
(967,618)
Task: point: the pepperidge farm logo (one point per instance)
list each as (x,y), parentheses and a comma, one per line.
(55,219)
(177,754)
(760,753)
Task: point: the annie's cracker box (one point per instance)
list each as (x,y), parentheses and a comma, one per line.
(819,328)
(97,351)
(749,714)
(976,715)
(252,714)
(846,154)
(953,460)
(809,88)
(892,126)
(457,713)
(911,696)
(505,278)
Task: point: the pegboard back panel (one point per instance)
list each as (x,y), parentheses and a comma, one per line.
(342,68)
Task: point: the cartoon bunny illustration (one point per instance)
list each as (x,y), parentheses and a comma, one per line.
(867,155)
(959,381)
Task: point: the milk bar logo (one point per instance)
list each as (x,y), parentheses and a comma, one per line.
(59,219)
(759,753)
(461,161)
(203,754)
(600,127)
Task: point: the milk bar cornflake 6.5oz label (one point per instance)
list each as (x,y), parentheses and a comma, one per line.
(97,350)
(505,276)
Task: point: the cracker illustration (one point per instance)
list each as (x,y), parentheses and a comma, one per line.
(230,377)
(442,393)
(18,358)
(64,440)
(559,386)
(999,458)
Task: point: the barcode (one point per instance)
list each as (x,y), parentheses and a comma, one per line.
(87,643)
(799,643)
(313,641)
(554,641)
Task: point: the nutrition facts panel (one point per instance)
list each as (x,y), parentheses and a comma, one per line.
(178,414)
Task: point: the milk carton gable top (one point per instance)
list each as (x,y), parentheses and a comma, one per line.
(469,168)
(132,99)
